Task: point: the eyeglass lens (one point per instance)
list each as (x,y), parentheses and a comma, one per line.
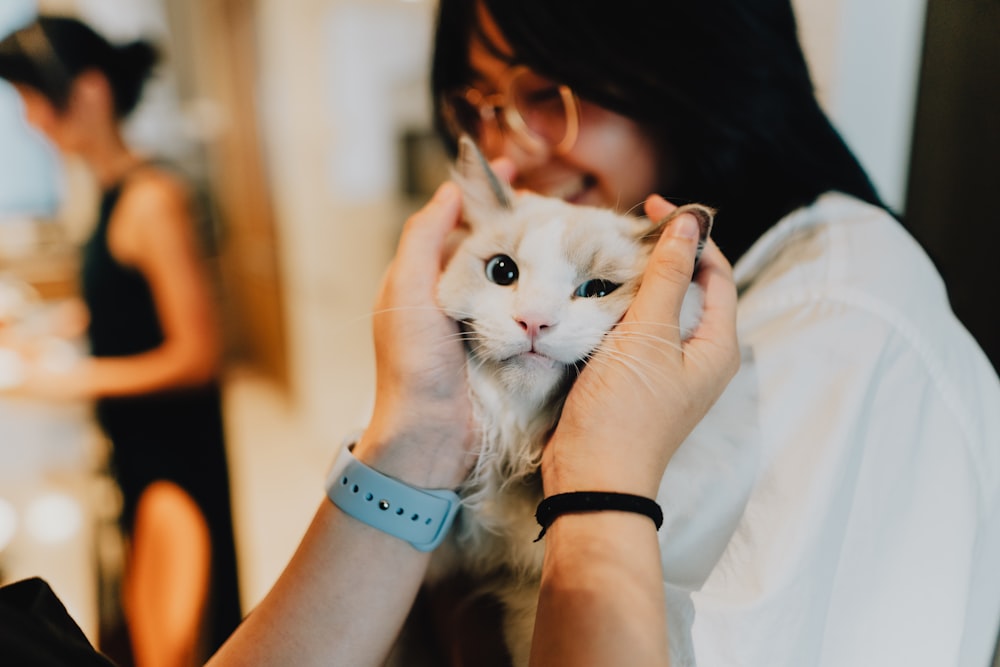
(535,110)
(540,105)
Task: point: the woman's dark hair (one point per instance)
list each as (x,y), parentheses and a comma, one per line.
(50,53)
(721,85)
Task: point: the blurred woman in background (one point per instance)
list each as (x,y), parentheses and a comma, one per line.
(154,339)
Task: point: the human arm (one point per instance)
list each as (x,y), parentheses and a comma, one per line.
(601,600)
(151,231)
(344,595)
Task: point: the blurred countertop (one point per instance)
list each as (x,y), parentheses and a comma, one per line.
(39,253)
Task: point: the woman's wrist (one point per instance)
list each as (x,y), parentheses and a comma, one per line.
(567,467)
(596,538)
(601,575)
(421,456)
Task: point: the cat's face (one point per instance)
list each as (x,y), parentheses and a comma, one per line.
(535,281)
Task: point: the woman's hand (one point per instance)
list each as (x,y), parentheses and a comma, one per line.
(646,389)
(421,429)
(347,590)
(49,369)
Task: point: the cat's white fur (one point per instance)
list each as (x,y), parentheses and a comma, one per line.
(518,380)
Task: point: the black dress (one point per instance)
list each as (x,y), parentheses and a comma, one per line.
(175,436)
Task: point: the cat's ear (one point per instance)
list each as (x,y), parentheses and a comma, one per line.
(480,185)
(703,214)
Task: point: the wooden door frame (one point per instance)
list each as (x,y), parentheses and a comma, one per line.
(215,56)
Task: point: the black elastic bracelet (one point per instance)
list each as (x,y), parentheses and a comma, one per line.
(594,501)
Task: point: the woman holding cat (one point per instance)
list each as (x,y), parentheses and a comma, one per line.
(347,590)
(154,340)
(854,516)
(872,420)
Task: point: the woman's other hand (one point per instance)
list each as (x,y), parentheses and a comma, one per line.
(646,389)
(421,429)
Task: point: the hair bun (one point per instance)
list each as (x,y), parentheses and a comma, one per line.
(141,55)
(134,63)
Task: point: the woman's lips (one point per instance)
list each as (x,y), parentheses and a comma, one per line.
(581,192)
(571,189)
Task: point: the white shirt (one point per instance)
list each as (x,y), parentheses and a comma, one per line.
(856,521)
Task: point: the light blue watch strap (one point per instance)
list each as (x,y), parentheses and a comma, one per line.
(421,517)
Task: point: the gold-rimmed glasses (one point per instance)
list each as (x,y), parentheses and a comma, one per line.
(536,112)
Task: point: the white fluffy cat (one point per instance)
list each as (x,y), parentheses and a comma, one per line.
(535,284)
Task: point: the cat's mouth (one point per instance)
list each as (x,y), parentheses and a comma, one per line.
(533,358)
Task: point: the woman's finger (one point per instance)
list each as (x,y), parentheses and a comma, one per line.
(423,237)
(668,274)
(718,321)
(657,207)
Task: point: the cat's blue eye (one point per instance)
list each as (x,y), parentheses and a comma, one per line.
(595,288)
(501,269)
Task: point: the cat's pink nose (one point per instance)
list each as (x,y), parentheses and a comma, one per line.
(533,326)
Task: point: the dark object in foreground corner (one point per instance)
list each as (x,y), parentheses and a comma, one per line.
(36,630)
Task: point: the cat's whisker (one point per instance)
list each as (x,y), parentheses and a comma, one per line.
(646,330)
(475,362)
(385,311)
(639,337)
(634,207)
(653,378)
(637,367)
(655,341)
(618,353)
(642,369)
(464,370)
(642,330)
(462,314)
(465,335)
(655,346)
(637,324)
(370,315)
(693,357)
